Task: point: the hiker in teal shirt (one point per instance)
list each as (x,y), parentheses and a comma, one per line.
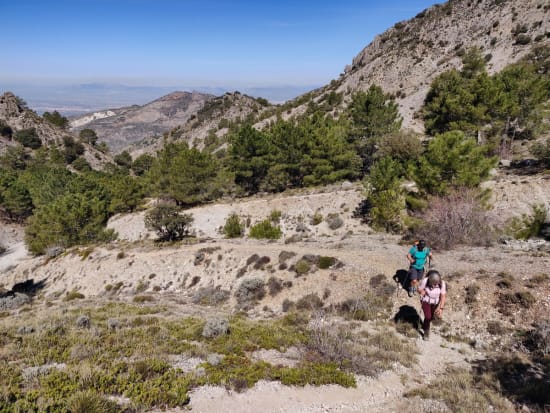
(417,257)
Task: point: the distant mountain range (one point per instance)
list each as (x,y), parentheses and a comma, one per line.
(78,99)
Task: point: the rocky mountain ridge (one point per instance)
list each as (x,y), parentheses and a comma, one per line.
(122,127)
(209,124)
(405,59)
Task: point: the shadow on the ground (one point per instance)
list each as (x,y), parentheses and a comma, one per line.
(408,314)
(526,382)
(401,277)
(28,287)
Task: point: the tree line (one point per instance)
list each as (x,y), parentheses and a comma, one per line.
(470,117)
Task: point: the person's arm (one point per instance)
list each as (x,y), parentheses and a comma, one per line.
(441,305)
(410,258)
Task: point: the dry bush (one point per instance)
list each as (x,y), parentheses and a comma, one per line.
(143,299)
(261,262)
(309,302)
(380,285)
(210,296)
(459,218)
(386,348)
(252,259)
(215,327)
(461,391)
(284,256)
(250,291)
(194,281)
(506,280)
(274,285)
(288,305)
(495,328)
(509,303)
(332,343)
(369,307)
(471,293)
(539,338)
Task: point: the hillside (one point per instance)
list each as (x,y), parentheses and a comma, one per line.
(405,59)
(122,127)
(18,118)
(135,285)
(209,124)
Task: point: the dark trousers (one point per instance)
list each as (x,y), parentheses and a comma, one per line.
(429,311)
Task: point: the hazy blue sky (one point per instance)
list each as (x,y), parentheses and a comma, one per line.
(228,44)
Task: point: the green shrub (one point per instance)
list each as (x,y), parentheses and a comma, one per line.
(528,226)
(72,149)
(317,218)
(168,223)
(326,262)
(90,401)
(275,216)
(264,230)
(56,119)
(141,286)
(302,267)
(542,151)
(71,219)
(81,164)
(73,295)
(233,227)
(28,138)
(88,136)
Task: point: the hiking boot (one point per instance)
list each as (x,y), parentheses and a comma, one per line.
(426,336)
(411,292)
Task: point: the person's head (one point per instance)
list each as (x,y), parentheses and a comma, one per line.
(434,278)
(421,245)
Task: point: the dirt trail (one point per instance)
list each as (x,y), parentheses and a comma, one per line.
(381,394)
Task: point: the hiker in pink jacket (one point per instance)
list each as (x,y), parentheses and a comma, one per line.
(432,292)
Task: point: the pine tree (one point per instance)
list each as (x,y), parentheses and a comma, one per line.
(452,160)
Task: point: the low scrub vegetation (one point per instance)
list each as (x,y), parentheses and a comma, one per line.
(233,227)
(463,391)
(265,230)
(528,225)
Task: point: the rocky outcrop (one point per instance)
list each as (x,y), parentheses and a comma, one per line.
(15,114)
